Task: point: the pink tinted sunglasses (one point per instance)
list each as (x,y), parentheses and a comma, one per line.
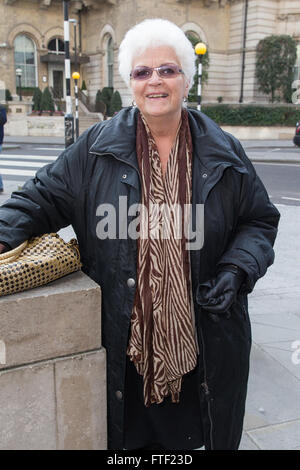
(164,71)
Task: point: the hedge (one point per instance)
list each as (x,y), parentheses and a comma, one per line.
(253,115)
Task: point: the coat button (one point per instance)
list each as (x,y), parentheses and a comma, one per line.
(124,176)
(119,395)
(130,282)
(204,175)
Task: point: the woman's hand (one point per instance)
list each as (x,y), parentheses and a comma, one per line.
(217,295)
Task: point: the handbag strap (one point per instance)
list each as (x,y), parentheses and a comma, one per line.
(12,255)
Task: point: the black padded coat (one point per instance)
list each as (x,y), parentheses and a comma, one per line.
(240,226)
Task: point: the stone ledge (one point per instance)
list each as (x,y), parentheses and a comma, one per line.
(55,405)
(53,368)
(23,125)
(261,132)
(59,319)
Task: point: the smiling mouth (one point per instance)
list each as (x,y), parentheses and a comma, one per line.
(157,95)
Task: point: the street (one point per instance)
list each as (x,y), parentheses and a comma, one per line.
(21,163)
(282,180)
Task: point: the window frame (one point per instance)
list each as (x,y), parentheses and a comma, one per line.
(56,51)
(110,61)
(25,83)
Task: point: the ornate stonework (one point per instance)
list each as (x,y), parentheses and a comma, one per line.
(220,23)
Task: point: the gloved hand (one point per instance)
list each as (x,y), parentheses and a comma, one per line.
(217,295)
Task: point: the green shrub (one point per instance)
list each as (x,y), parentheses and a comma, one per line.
(8,96)
(252,115)
(100,106)
(37,98)
(116,103)
(275,59)
(28,90)
(83,85)
(47,103)
(106,96)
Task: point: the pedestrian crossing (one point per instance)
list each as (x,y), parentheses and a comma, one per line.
(21,167)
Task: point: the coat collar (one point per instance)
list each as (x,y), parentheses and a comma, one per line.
(117,136)
(211,145)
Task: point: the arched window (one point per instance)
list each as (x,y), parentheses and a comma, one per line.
(25,58)
(194,38)
(56,46)
(110,62)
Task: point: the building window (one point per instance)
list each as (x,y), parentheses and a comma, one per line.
(297,65)
(56,46)
(25,58)
(110,62)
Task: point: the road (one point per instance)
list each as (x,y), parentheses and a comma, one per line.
(21,163)
(282,180)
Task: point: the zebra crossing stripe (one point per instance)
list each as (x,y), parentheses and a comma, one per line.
(21,164)
(42,158)
(7,171)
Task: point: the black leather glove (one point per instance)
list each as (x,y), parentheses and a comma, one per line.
(217,295)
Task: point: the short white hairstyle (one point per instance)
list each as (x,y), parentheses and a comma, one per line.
(156,32)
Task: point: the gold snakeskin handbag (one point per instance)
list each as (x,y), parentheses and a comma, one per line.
(36,262)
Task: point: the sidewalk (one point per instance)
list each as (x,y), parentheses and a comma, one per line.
(33,140)
(272,419)
(276,151)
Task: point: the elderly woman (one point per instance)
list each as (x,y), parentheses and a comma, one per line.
(174,315)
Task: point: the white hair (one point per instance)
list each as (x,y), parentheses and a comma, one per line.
(154,33)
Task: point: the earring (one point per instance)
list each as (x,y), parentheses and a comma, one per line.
(133,104)
(185,99)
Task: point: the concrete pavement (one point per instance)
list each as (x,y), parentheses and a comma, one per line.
(33,140)
(272,151)
(272,418)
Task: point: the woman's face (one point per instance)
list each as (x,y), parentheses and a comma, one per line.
(157,96)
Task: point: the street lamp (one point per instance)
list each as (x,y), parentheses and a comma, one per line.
(19,75)
(72,20)
(200,50)
(76,77)
(69,120)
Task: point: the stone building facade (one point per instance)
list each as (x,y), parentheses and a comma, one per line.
(31,37)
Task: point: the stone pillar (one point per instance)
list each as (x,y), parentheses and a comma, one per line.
(53,368)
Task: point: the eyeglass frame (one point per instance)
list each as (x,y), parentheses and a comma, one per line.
(152,69)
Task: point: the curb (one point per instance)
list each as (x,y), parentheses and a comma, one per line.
(9,147)
(281,161)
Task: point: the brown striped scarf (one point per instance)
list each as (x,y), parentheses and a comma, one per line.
(162,343)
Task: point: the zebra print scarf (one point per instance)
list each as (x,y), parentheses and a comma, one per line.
(162,342)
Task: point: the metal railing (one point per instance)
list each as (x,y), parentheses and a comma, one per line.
(86,101)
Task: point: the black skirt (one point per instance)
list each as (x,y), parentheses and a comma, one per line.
(174,426)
